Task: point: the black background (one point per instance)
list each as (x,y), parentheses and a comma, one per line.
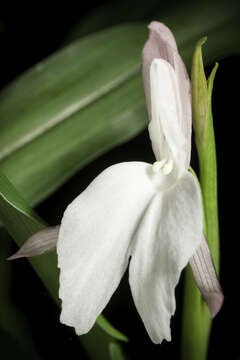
(30,33)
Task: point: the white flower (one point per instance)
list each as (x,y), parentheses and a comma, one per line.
(150,214)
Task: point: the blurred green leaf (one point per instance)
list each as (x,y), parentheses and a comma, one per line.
(63,114)
(116,352)
(21,222)
(54,156)
(63,84)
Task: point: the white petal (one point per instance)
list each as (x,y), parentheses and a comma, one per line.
(161,45)
(168,139)
(169,234)
(94,239)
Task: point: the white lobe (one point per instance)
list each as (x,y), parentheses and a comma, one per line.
(169,234)
(94,240)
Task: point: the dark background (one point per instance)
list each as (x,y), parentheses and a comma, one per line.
(27,35)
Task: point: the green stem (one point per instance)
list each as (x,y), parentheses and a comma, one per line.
(196,322)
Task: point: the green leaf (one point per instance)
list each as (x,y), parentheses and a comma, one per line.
(71,108)
(60,86)
(116,352)
(73,143)
(21,222)
(19,219)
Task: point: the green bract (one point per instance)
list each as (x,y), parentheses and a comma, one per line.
(205,142)
(199,93)
(196,318)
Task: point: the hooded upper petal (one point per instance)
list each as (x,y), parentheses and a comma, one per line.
(169,234)
(161,45)
(95,235)
(168,139)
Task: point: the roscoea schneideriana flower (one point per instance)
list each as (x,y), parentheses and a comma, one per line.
(150,214)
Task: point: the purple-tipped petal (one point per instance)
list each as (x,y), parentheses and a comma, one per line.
(164,32)
(206,278)
(38,244)
(161,45)
(214,301)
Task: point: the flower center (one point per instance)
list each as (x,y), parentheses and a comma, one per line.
(165,166)
(163,174)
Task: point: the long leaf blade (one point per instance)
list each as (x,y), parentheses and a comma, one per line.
(76,141)
(66,82)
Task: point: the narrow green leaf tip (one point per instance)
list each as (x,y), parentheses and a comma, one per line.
(211,78)
(199,92)
(201,41)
